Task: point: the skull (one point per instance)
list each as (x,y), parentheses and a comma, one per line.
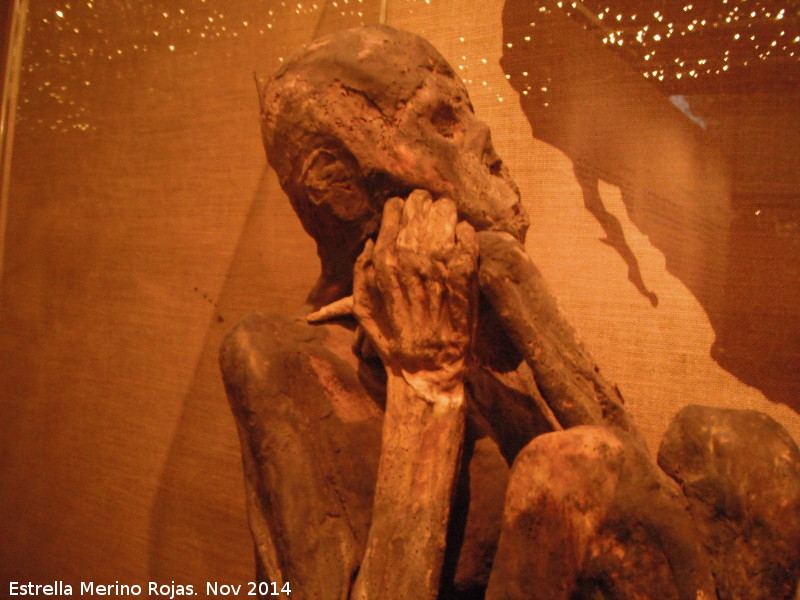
(370,113)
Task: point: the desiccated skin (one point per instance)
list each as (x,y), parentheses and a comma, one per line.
(587,516)
(368,114)
(415,293)
(375,143)
(740,471)
(371,113)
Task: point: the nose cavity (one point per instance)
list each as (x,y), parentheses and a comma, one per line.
(493,162)
(444,120)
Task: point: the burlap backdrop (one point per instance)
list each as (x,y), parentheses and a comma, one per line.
(143,222)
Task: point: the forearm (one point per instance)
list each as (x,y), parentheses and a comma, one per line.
(422,439)
(415,293)
(566,374)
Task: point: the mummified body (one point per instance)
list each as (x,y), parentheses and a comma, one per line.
(376,444)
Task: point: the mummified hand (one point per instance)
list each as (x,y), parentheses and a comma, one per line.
(415,292)
(415,288)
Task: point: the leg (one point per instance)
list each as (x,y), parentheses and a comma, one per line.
(310,437)
(587,515)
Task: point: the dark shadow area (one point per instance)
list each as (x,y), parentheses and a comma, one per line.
(272,269)
(694,162)
(266,274)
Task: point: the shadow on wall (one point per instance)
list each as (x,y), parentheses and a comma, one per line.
(584,99)
(198,525)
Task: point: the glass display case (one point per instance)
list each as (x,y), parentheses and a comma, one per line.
(655,147)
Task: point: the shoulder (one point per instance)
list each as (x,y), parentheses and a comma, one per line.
(267,356)
(260,343)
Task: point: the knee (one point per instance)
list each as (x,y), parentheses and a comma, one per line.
(579,465)
(560,489)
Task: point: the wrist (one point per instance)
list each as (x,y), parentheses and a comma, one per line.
(443,386)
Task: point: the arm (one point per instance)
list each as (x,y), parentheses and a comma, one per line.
(415,294)
(310,440)
(566,375)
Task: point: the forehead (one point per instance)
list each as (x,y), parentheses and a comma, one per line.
(390,115)
(382,66)
(358,89)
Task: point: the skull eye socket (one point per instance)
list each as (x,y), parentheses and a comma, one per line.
(323,169)
(331,182)
(444,120)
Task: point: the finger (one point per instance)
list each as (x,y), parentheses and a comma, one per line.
(440,226)
(418,202)
(363,276)
(467,240)
(390,225)
(361,263)
(464,266)
(342,307)
(364,295)
(412,225)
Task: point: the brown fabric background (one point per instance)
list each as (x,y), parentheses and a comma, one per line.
(143,222)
